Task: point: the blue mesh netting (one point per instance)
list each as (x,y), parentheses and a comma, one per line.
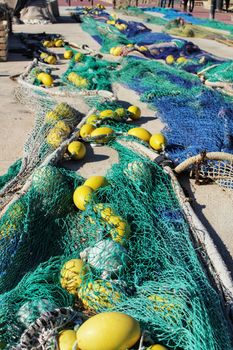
(196,117)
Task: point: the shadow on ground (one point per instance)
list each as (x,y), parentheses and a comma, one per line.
(226,256)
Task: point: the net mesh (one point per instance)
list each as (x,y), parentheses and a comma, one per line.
(151,271)
(171,14)
(12,171)
(133,238)
(196,117)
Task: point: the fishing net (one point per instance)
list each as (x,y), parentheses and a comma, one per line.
(139,258)
(179,27)
(171,14)
(89,73)
(138,12)
(38,292)
(29,230)
(12,171)
(196,117)
(132,237)
(219,73)
(150,45)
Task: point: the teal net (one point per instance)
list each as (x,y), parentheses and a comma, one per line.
(139,259)
(12,171)
(90,73)
(132,240)
(222,73)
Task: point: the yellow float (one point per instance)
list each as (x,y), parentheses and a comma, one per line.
(140,133)
(158,142)
(72,274)
(96,182)
(82,195)
(135,112)
(108,331)
(77,150)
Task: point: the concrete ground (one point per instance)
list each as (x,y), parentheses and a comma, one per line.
(212,204)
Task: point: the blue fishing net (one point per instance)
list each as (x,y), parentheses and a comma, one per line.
(196,118)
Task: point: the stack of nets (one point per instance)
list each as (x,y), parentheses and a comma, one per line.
(150,45)
(151,272)
(132,236)
(181,28)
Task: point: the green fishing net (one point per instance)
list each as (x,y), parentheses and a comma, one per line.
(135,11)
(12,171)
(190,30)
(110,36)
(89,73)
(139,261)
(220,73)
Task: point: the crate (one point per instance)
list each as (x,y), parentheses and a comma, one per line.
(4,29)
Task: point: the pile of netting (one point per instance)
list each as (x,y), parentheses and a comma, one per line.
(89,72)
(179,27)
(171,14)
(196,117)
(219,73)
(146,267)
(149,45)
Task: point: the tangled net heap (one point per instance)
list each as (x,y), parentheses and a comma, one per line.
(196,117)
(160,280)
(151,271)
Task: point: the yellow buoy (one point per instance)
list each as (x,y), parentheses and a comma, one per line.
(72,274)
(117,51)
(77,150)
(104,210)
(157,347)
(121,231)
(40,76)
(50,60)
(96,182)
(92,119)
(108,331)
(120,112)
(46,43)
(140,133)
(86,130)
(181,60)
(43,55)
(63,126)
(78,57)
(56,137)
(68,54)
(142,48)
(66,339)
(135,112)
(82,195)
(51,117)
(158,142)
(98,294)
(107,113)
(112,50)
(46,79)
(102,134)
(170,59)
(59,43)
